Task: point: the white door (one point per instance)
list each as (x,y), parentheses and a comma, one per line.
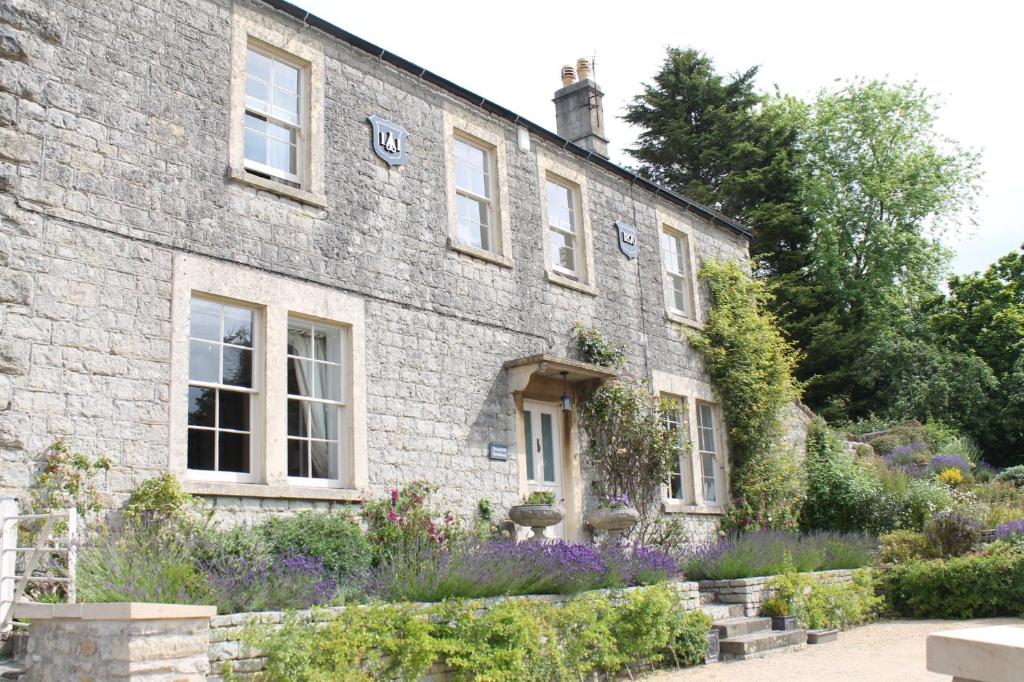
(542,424)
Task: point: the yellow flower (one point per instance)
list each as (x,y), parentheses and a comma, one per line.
(951,477)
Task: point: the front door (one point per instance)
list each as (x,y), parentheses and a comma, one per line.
(542,424)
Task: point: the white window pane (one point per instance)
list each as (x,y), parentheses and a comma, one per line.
(204,362)
(300,377)
(680,264)
(562,251)
(477,158)
(258,65)
(324,460)
(678,293)
(298,418)
(708,470)
(237,365)
(257,94)
(286,106)
(323,422)
(286,77)
(559,216)
(327,343)
(281,156)
(479,184)
(299,335)
(461,151)
(326,381)
(205,320)
(462,174)
(238,326)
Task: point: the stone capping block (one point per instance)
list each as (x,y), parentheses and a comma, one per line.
(113,611)
(987,654)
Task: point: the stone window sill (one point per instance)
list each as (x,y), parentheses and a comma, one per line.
(570,283)
(682,319)
(300,195)
(285,492)
(481,254)
(677,507)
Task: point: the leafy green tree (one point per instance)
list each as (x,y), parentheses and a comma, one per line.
(715,139)
(879,185)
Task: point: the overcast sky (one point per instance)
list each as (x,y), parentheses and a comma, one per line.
(511,52)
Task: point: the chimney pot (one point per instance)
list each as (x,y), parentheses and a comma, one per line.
(579,109)
(583,68)
(568,75)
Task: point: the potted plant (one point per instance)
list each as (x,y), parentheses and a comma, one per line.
(538,511)
(614,516)
(777,609)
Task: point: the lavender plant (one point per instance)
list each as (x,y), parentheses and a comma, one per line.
(240,584)
(1010,529)
(498,567)
(774,552)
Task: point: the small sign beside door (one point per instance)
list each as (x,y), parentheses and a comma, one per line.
(498,452)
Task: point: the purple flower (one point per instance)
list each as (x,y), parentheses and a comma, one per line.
(268,583)
(619,502)
(1010,528)
(942,462)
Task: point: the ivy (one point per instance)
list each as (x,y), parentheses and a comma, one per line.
(595,349)
(751,366)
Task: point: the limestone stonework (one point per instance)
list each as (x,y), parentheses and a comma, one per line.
(118,155)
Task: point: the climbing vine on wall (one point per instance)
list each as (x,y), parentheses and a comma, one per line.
(751,366)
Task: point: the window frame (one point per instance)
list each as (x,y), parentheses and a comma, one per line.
(254,393)
(341,405)
(279,297)
(300,128)
(715,454)
(489,137)
(559,172)
(684,450)
(674,226)
(695,392)
(253,29)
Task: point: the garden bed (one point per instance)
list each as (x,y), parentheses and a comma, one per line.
(228,650)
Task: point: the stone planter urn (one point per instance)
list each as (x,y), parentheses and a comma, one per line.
(537,517)
(711,655)
(613,521)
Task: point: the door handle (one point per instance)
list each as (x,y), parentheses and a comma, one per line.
(539,451)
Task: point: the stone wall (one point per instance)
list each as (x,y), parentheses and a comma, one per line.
(751,592)
(227,650)
(116,642)
(113,149)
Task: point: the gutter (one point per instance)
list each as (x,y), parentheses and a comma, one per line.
(405,65)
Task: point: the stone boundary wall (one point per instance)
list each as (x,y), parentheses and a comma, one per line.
(751,592)
(227,649)
(119,642)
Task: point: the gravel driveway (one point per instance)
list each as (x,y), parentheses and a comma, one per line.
(887,650)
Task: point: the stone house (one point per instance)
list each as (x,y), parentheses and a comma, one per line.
(245,246)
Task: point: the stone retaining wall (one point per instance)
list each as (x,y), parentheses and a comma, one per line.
(122,642)
(751,592)
(227,650)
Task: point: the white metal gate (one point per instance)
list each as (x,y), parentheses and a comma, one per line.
(13,583)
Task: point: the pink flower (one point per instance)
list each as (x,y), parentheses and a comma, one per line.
(393,517)
(394,496)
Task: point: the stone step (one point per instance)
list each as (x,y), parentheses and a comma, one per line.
(719,611)
(734,627)
(11,670)
(758,644)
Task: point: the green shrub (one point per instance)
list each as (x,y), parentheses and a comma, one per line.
(515,640)
(775,607)
(901,546)
(161,499)
(595,349)
(335,538)
(364,644)
(404,522)
(973,586)
(540,497)
(952,534)
(817,604)
(139,562)
(1014,475)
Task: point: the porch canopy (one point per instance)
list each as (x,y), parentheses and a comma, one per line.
(545,370)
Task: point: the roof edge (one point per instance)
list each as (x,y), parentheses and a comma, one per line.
(380,53)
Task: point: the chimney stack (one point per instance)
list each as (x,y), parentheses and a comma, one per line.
(579,112)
